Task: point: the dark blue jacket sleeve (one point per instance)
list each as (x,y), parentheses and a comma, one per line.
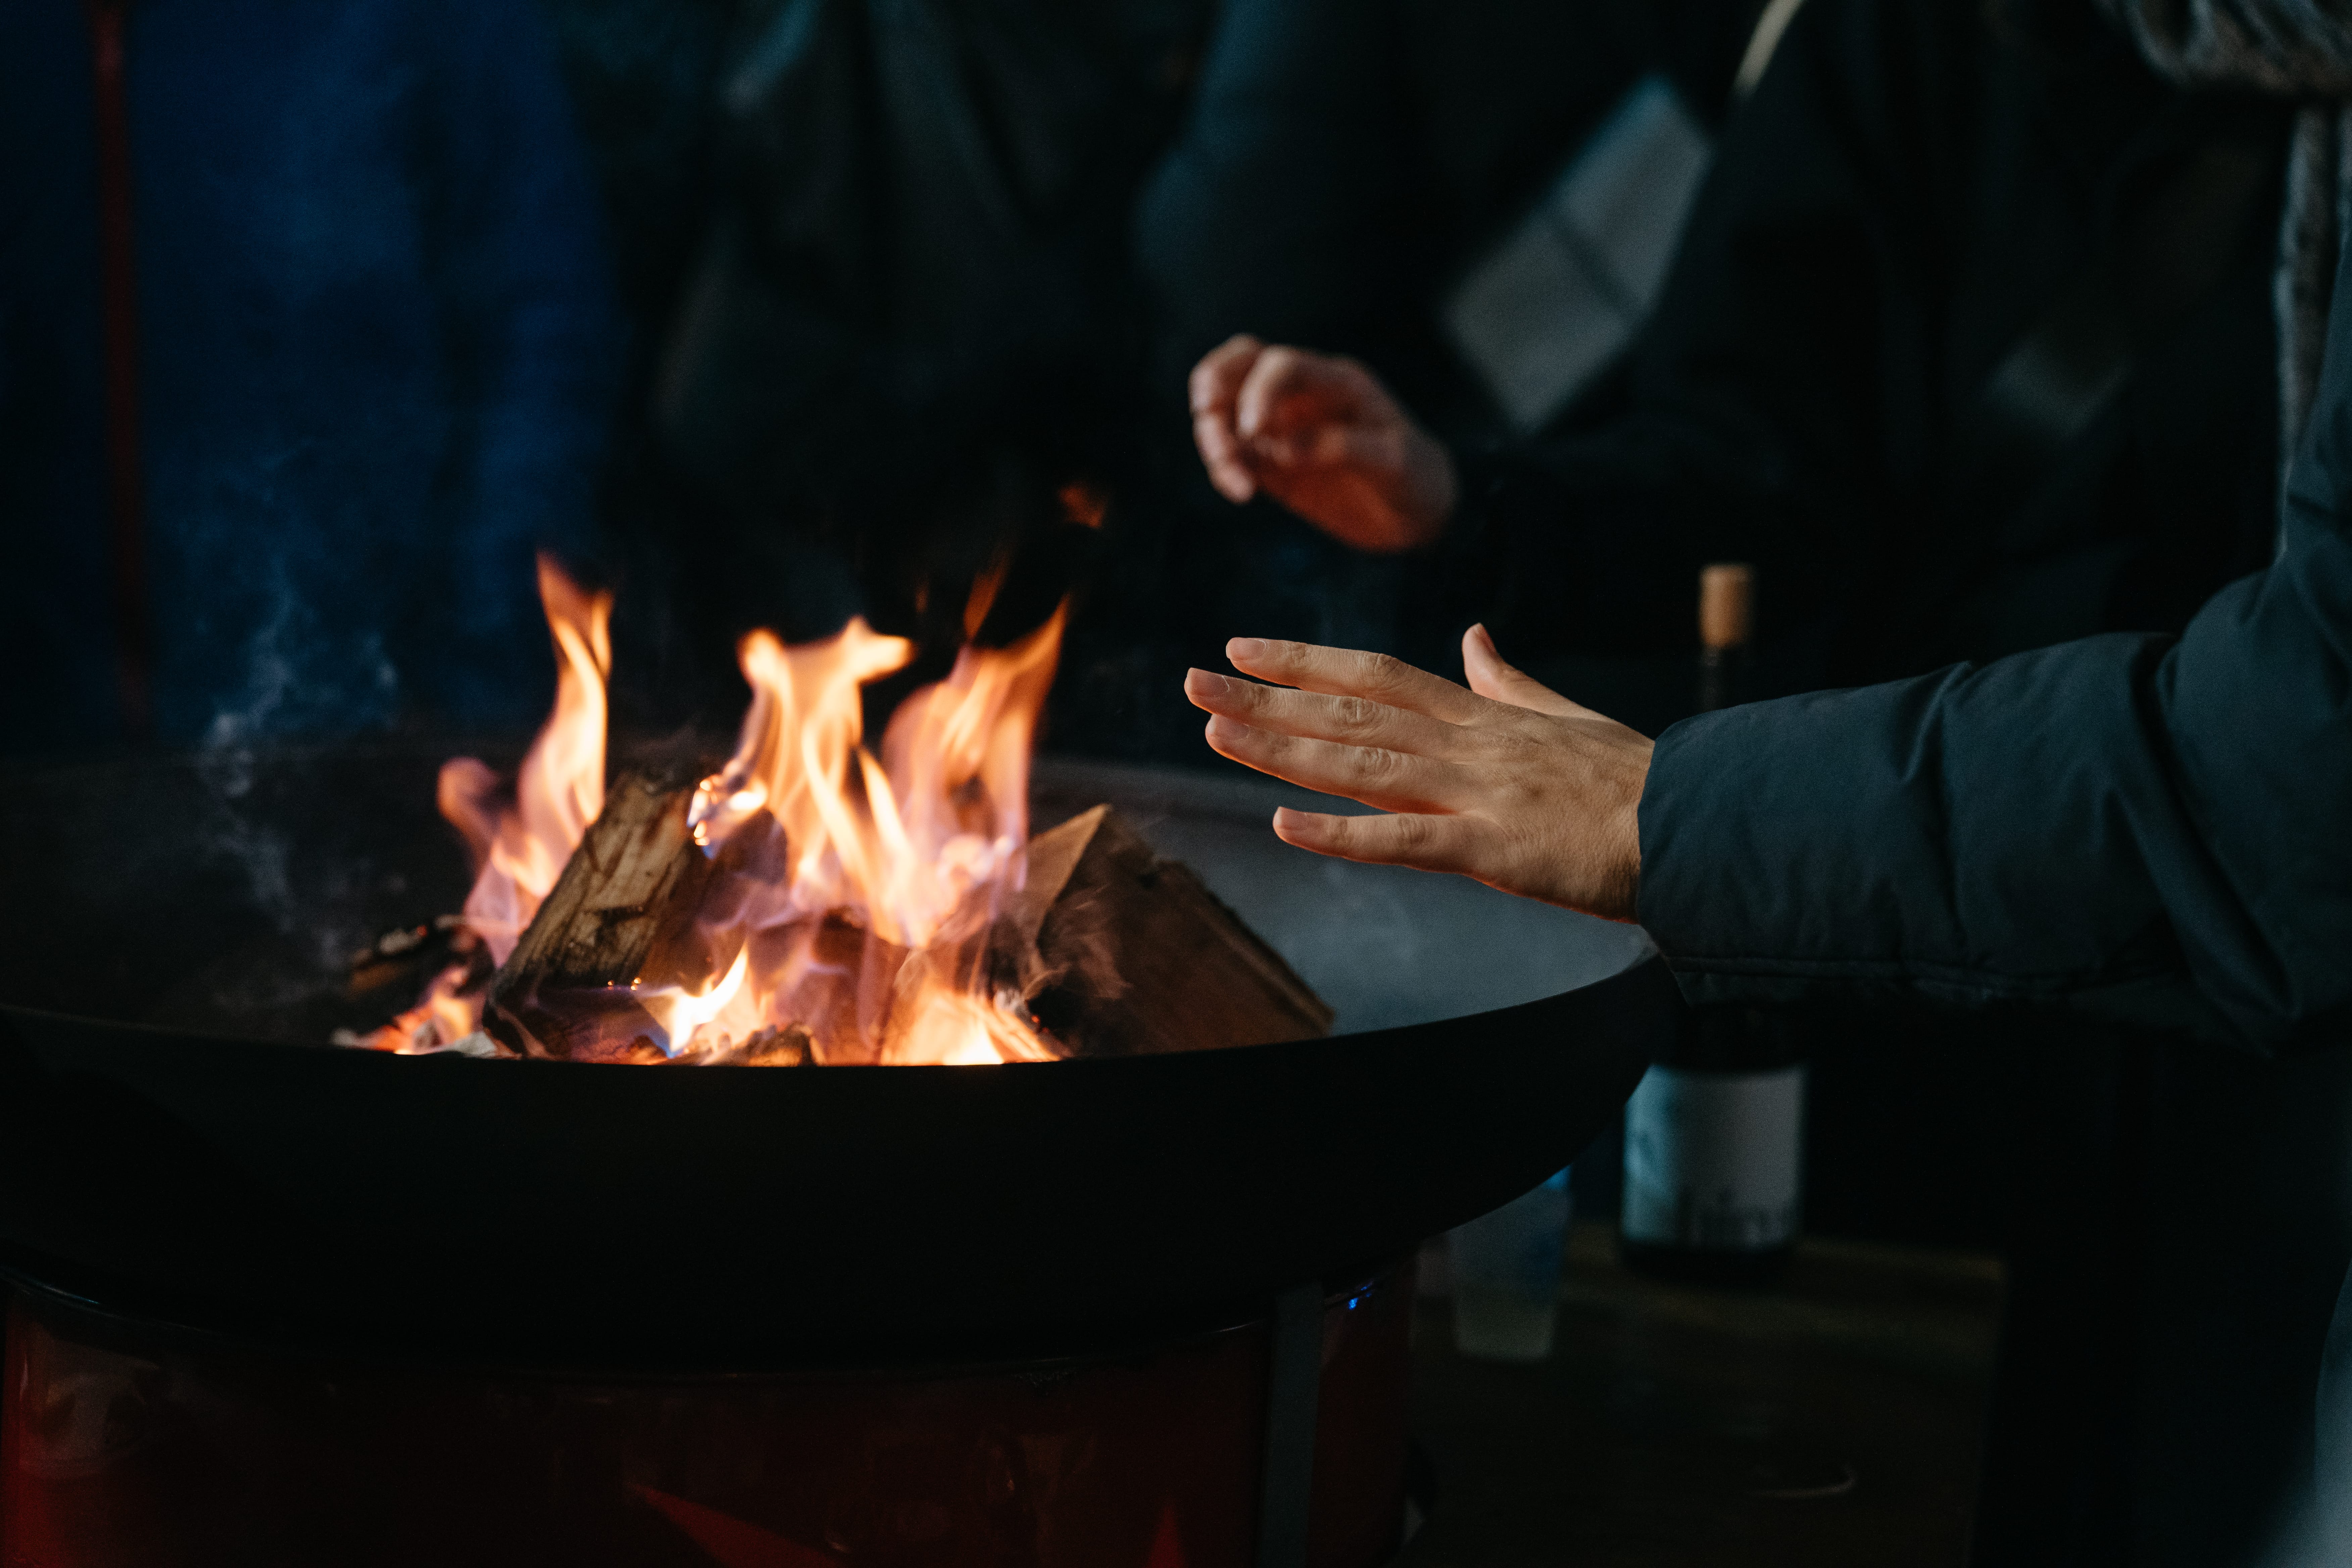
(2152,828)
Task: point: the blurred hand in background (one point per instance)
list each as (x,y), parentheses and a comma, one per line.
(1322,436)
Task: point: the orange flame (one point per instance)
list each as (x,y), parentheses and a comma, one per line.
(519,846)
(913,853)
(856,895)
(561,788)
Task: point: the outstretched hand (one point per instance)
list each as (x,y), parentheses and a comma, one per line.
(1508,782)
(1323,436)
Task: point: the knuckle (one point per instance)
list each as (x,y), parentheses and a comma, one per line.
(1376,764)
(1378,671)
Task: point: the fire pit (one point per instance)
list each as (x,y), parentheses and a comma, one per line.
(279,1303)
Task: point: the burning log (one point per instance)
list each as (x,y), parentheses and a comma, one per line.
(786,1047)
(814,902)
(1116,950)
(621,914)
(1141,958)
(404,956)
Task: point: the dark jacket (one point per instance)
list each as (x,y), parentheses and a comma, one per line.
(1342,162)
(2154,828)
(1910,189)
(1918,193)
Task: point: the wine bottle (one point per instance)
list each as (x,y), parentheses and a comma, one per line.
(1715,1133)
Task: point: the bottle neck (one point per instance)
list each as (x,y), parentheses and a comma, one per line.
(1722,678)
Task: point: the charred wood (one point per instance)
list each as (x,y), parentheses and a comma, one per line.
(1139,957)
(1114,950)
(400,960)
(622,913)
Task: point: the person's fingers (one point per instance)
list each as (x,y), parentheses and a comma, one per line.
(1392,781)
(1282,373)
(1223,455)
(1333,446)
(1491,677)
(1347,672)
(1428,843)
(1217,379)
(1351,720)
(1215,382)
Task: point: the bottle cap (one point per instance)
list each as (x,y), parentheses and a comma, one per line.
(1726,603)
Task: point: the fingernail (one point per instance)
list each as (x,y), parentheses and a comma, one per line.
(1240,648)
(1229,730)
(1203,683)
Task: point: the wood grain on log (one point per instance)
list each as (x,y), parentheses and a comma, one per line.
(1120,952)
(1142,958)
(623,911)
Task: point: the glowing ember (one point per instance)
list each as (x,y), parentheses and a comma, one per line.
(853,897)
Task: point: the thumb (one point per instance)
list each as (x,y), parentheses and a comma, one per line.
(1498,682)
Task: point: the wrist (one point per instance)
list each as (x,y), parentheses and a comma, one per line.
(1621,889)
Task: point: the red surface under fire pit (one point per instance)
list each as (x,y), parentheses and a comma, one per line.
(128,1446)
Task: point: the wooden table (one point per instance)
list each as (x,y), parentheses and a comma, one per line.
(1834,1418)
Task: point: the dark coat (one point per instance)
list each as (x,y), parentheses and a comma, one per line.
(1915,188)
(2147,827)
(1906,193)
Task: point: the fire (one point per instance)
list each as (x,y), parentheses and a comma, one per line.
(519,845)
(889,873)
(854,895)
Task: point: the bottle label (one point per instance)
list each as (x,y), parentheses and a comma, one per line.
(1713,1158)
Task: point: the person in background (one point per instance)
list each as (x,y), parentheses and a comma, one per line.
(1987,330)
(2127,825)
(904,332)
(370,350)
(1968,346)
(1387,181)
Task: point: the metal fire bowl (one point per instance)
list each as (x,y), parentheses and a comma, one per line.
(170,1147)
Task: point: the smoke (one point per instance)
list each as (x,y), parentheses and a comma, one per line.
(299,678)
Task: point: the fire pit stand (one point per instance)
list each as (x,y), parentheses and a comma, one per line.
(1278,1442)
